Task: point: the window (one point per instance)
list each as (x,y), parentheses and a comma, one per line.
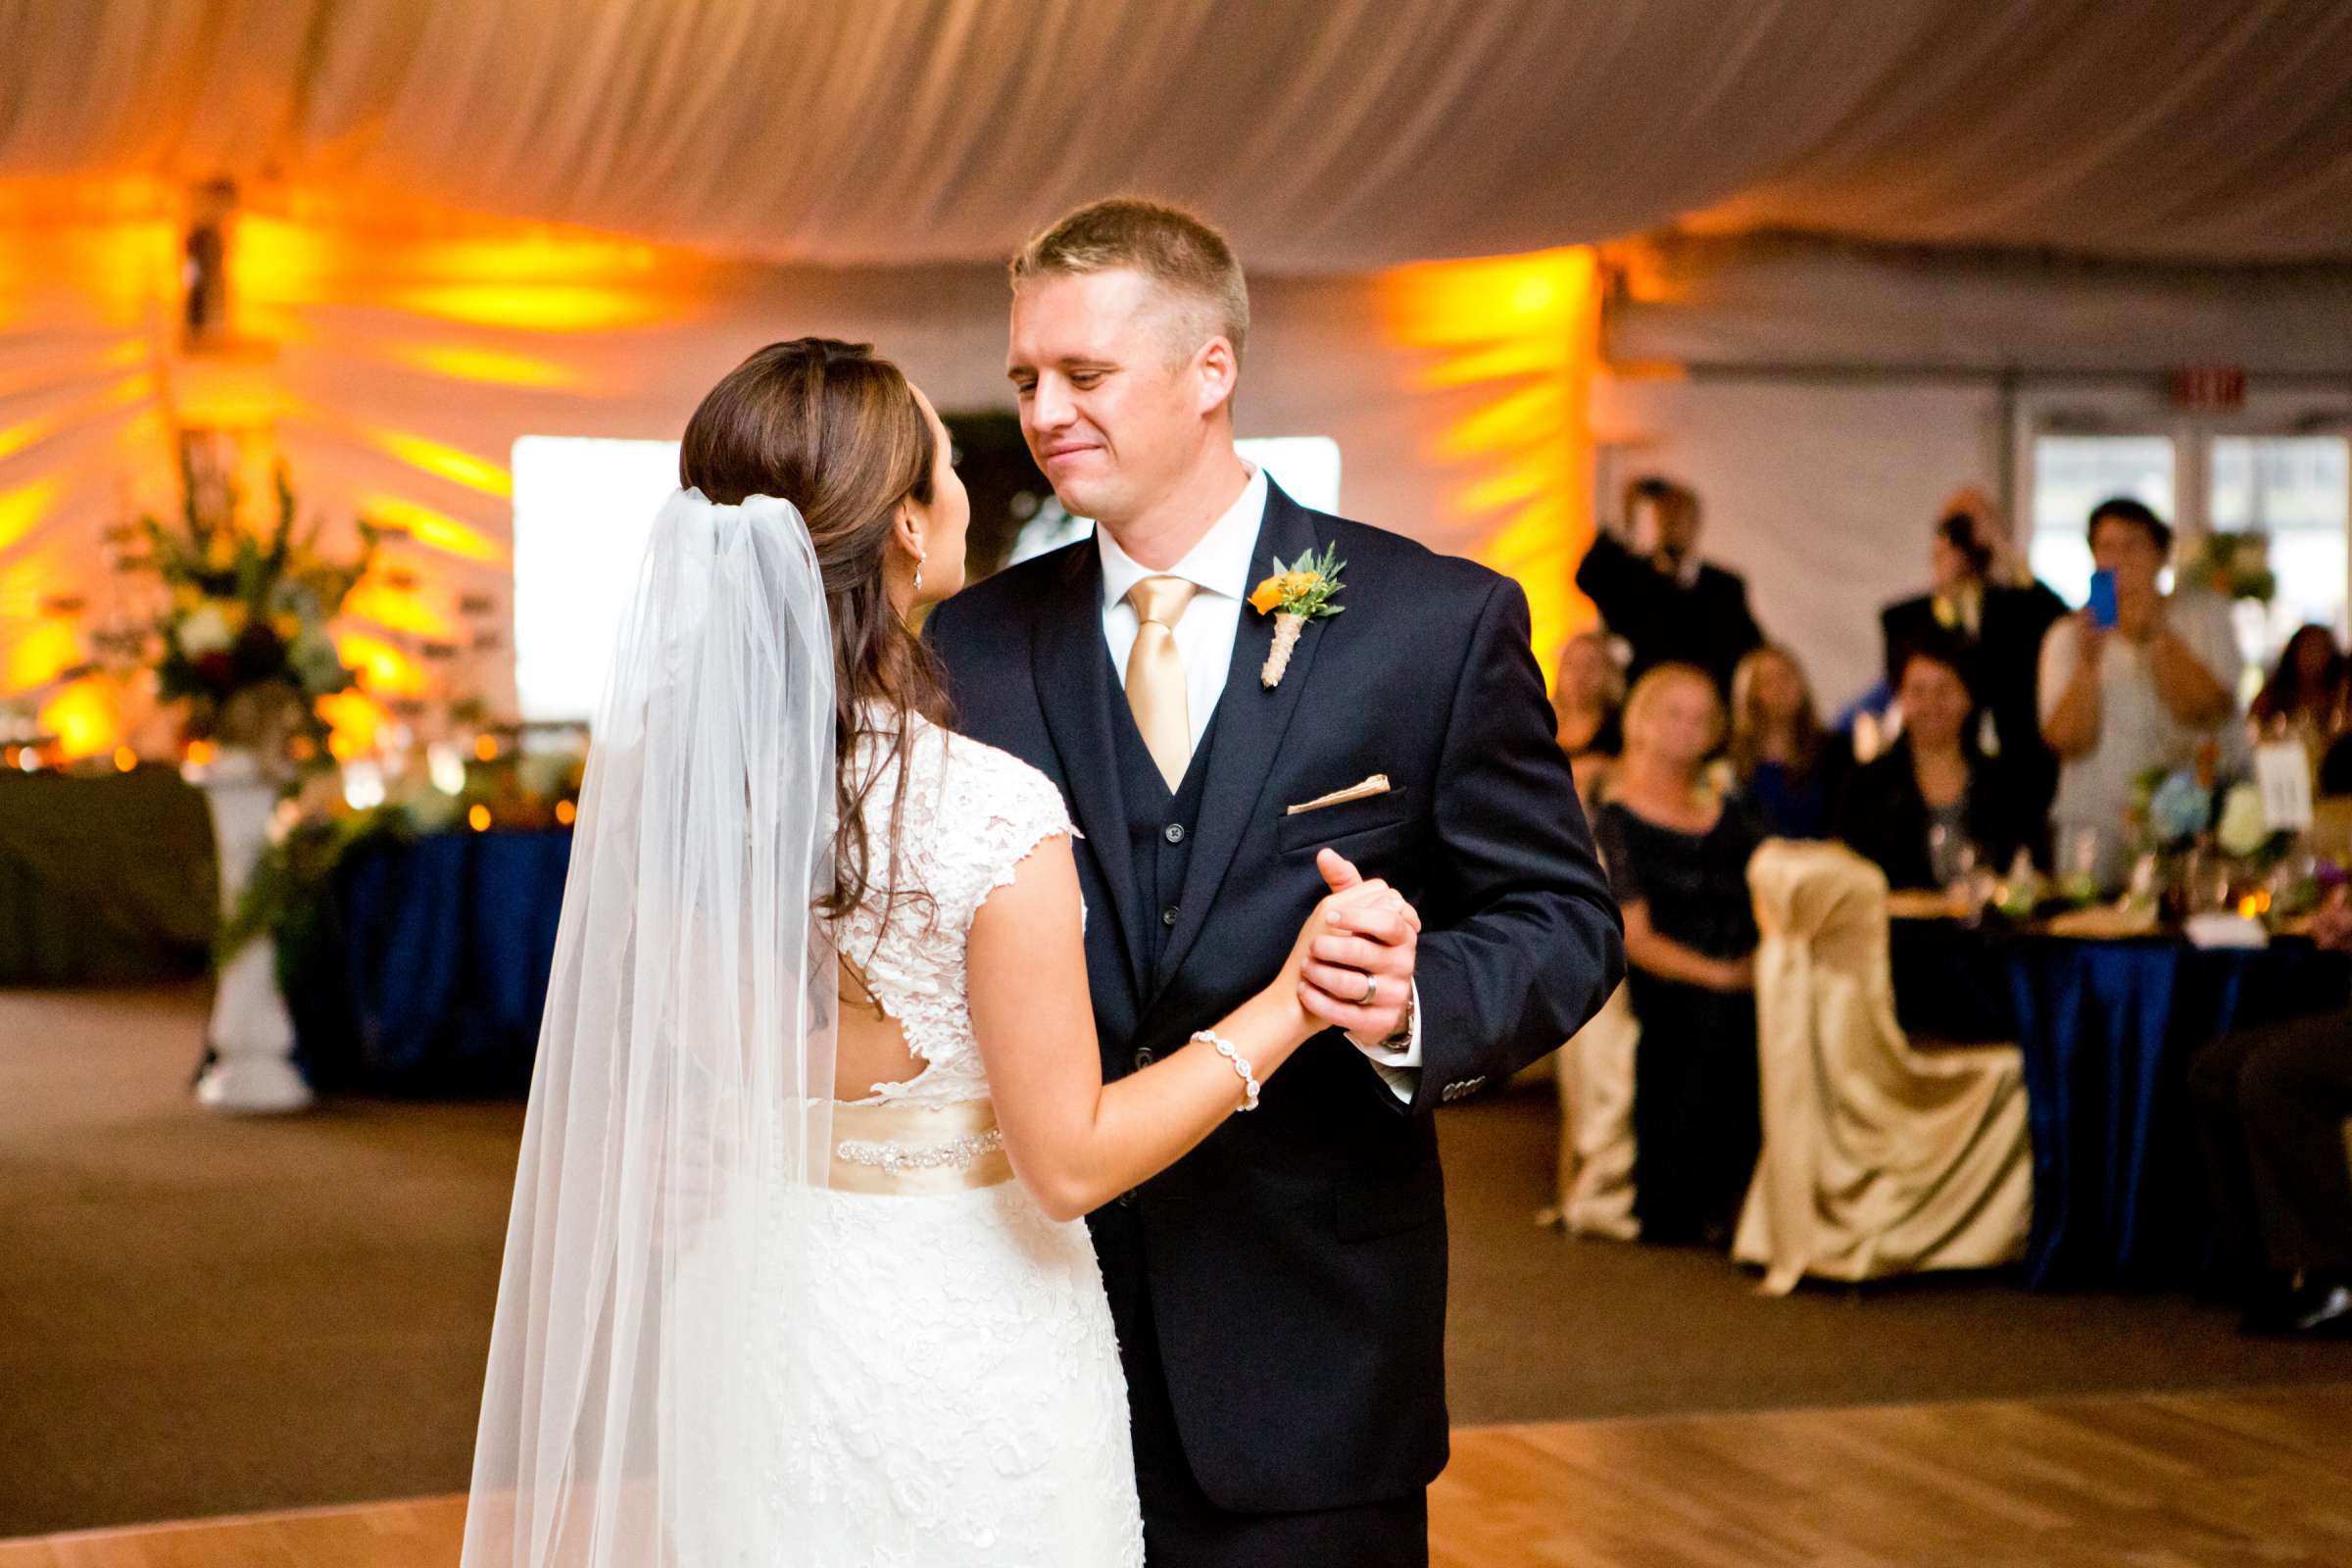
(2296,490)
(582,512)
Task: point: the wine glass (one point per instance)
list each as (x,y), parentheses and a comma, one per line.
(2079,878)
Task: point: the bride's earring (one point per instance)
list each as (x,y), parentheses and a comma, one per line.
(919,559)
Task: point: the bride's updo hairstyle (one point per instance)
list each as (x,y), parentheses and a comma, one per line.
(836,432)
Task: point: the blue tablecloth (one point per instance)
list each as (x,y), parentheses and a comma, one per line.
(2107,1029)
(425,972)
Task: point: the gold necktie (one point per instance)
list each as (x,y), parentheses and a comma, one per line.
(1155,675)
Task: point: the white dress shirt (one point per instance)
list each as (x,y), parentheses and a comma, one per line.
(1219,568)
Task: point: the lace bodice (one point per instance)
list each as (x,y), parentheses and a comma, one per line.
(973,814)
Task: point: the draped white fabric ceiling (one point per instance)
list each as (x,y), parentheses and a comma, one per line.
(1329,135)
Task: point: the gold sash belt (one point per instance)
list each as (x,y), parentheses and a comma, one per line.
(909,1151)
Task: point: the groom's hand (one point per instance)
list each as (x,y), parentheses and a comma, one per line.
(1358,976)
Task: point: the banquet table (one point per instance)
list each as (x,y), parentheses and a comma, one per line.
(423,968)
(105,879)
(2106,1027)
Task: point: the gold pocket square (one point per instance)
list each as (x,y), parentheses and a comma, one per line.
(1377,784)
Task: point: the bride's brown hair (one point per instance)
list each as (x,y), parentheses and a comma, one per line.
(836,432)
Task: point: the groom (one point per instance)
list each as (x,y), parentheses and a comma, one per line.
(1280,1292)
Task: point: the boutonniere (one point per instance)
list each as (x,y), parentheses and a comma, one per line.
(1295,595)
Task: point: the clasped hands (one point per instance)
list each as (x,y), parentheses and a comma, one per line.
(1354,958)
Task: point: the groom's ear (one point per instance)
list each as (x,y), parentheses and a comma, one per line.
(1217,370)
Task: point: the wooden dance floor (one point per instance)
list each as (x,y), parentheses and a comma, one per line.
(2156,1481)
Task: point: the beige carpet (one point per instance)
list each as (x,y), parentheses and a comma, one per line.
(202,1315)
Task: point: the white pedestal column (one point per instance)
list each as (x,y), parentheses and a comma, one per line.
(251,1033)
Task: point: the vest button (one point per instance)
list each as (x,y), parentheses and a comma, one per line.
(1168,916)
(1144,1058)
(1174,833)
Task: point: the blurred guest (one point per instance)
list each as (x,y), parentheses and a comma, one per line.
(1789,770)
(2271,1107)
(1982,597)
(2304,696)
(1655,593)
(2143,694)
(1934,801)
(1588,698)
(1677,856)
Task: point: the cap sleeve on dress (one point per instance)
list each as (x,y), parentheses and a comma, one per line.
(1013,809)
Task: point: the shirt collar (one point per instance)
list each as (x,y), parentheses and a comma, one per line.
(1218,563)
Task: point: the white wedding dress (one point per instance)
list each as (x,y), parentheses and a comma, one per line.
(967,1407)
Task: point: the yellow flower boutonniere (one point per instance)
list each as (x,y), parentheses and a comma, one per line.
(1295,595)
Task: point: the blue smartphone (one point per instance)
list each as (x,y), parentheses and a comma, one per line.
(2102,600)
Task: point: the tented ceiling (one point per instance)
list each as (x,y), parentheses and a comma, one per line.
(1328,135)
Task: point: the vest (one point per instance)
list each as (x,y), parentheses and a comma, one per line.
(1160,831)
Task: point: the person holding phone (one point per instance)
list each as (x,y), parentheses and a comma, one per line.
(2136,679)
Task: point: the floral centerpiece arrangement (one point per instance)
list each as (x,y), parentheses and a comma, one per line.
(2211,843)
(243,641)
(2173,807)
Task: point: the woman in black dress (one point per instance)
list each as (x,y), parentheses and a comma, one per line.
(1677,857)
(1933,803)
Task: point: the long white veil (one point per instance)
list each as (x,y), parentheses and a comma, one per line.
(680,1106)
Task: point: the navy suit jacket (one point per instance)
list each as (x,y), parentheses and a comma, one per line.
(1295,1260)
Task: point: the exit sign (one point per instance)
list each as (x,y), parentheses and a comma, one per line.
(2209,386)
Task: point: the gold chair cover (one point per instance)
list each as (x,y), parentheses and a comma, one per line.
(1878,1159)
(1594,1071)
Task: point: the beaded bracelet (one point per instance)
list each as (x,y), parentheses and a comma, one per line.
(1240,1064)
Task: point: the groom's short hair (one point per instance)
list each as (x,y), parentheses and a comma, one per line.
(1181,253)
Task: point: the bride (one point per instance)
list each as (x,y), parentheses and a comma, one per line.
(796,1273)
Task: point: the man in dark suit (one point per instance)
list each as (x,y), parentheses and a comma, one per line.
(1280,1292)
(1652,589)
(1999,622)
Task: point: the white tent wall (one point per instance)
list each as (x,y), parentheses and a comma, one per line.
(1824,398)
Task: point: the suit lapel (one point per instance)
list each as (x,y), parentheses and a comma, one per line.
(1250,723)
(1075,688)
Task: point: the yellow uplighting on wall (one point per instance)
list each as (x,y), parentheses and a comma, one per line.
(108,243)
(435,531)
(384,668)
(40,427)
(537,308)
(355,718)
(397,610)
(82,718)
(528,277)
(491,367)
(454,463)
(228,395)
(1520,336)
(43,649)
(22,507)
